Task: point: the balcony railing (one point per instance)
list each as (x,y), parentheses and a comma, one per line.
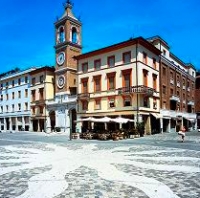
(83,96)
(141,89)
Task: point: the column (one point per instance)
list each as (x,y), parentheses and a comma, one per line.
(48,125)
(16,120)
(10,124)
(30,125)
(23,123)
(161,125)
(38,123)
(67,122)
(5,124)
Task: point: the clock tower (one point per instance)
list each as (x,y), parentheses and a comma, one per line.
(67,46)
(62,110)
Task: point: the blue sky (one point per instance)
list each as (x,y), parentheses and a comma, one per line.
(27,27)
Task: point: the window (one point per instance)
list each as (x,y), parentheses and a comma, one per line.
(84,86)
(127,101)
(26,79)
(33,81)
(7,97)
(74,35)
(26,93)
(154,81)
(26,106)
(19,94)
(146,102)
(33,95)
(1,109)
(164,52)
(145,77)
(127,57)
(154,103)
(85,105)
(171,92)
(1,97)
(97,64)
(41,93)
(19,81)
(164,71)
(7,108)
(164,89)
(112,102)
(183,96)
(19,107)
(1,86)
(41,109)
(144,58)
(61,35)
(13,83)
(13,95)
(97,104)
(111,61)
(97,83)
(154,63)
(178,93)
(41,79)
(13,107)
(33,110)
(7,85)
(111,81)
(85,67)
(126,78)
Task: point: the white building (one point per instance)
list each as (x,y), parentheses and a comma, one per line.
(15,100)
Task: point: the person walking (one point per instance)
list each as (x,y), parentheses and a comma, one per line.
(182,133)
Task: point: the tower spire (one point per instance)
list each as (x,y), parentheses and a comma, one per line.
(68,8)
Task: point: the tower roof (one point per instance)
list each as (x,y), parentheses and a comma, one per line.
(68,10)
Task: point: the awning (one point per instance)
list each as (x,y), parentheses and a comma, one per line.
(190,119)
(156,115)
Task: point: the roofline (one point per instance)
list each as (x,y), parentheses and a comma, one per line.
(138,40)
(157,37)
(47,68)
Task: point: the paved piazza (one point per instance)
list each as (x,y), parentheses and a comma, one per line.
(50,166)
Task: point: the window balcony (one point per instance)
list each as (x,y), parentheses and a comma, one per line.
(178,84)
(183,87)
(188,89)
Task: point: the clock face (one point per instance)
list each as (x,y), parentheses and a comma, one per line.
(61,81)
(60,58)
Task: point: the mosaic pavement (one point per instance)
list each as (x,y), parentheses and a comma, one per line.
(98,171)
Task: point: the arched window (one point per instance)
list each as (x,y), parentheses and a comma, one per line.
(61,35)
(74,35)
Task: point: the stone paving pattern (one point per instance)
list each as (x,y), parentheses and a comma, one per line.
(86,183)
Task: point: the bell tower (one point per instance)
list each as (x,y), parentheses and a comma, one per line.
(67,46)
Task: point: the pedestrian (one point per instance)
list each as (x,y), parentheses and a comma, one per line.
(182,133)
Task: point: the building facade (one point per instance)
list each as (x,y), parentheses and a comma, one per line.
(177,89)
(15,100)
(120,80)
(41,90)
(68,45)
(197,98)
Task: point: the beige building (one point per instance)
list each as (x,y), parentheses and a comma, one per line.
(41,90)
(120,80)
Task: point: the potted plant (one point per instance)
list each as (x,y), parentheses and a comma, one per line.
(140,128)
